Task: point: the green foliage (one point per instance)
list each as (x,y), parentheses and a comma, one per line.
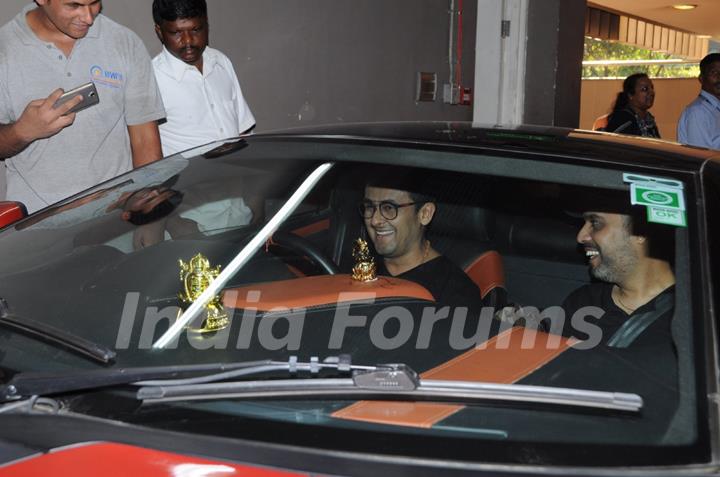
(608,50)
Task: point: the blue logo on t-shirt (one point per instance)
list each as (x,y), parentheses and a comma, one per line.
(106,77)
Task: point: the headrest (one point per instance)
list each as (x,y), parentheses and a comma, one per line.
(462,222)
(547,239)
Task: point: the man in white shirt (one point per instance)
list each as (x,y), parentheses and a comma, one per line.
(199,87)
(699,124)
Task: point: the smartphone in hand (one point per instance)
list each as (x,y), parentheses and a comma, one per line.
(89,97)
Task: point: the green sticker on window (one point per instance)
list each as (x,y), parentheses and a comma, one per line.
(663,198)
(661,215)
(648,195)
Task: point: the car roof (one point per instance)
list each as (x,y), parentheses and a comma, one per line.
(576,143)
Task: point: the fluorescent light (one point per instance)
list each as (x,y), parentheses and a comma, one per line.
(685,6)
(671,61)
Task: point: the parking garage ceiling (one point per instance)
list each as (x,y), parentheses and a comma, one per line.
(702,20)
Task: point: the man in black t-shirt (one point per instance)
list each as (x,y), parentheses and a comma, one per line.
(632,282)
(626,338)
(396,221)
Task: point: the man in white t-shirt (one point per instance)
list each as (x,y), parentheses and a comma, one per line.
(199,87)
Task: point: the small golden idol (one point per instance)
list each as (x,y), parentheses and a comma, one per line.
(364,269)
(196,276)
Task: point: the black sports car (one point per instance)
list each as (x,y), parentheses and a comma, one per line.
(217,309)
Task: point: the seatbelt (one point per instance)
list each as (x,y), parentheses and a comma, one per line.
(622,127)
(634,326)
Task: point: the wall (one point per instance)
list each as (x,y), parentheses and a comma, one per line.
(671,97)
(554,58)
(342,60)
(303,62)
(307,62)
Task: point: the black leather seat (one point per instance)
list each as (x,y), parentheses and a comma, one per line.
(464,234)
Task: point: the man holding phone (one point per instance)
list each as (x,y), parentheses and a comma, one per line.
(50,152)
(87,94)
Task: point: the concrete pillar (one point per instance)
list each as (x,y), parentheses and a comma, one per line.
(500,61)
(529,61)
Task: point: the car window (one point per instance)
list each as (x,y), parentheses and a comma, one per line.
(539,238)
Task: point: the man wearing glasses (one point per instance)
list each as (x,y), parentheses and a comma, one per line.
(396,221)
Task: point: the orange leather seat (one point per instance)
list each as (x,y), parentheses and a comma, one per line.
(464,233)
(488,273)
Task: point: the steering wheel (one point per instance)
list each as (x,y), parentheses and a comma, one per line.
(304,248)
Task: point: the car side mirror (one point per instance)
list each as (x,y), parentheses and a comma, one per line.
(11,212)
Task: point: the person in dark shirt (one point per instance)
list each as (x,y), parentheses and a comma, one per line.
(630,279)
(626,344)
(396,221)
(631,112)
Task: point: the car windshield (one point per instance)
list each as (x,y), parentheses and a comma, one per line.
(116,267)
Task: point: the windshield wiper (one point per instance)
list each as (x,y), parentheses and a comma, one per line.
(396,381)
(28,384)
(50,334)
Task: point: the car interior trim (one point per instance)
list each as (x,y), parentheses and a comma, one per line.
(487,272)
(313,228)
(320,290)
(503,359)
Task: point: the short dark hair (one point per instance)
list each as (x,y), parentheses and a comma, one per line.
(660,237)
(405,179)
(171,10)
(707,61)
(420,199)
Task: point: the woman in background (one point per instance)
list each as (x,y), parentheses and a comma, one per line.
(631,113)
